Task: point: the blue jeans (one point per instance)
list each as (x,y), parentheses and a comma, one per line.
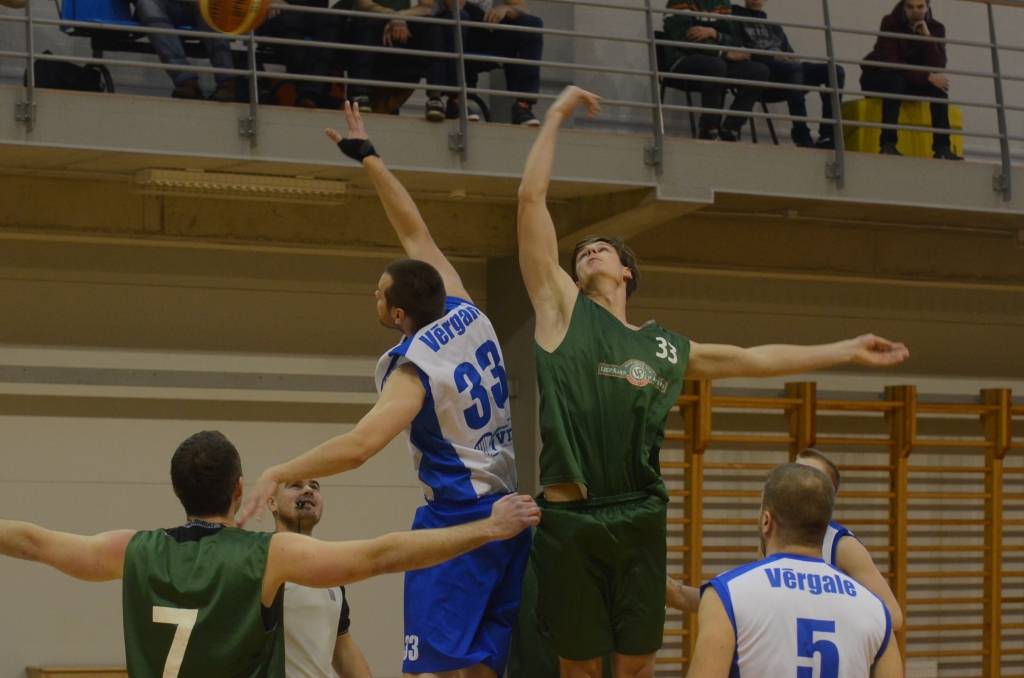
(509,44)
(803,73)
(173,14)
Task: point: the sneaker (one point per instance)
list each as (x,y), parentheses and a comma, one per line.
(363,102)
(825,142)
(435,109)
(889,149)
(802,138)
(946,154)
(708,134)
(452,110)
(226,91)
(188,90)
(523,115)
(726,134)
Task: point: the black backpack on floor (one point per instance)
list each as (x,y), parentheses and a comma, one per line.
(65,75)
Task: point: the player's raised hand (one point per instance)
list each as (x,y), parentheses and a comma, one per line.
(512,514)
(263,490)
(353,122)
(875,351)
(571,97)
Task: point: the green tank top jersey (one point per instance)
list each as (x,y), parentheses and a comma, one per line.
(192,605)
(605,393)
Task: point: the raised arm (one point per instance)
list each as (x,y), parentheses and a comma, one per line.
(716,641)
(399,403)
(720,361)
(310,562)
(853,559)
(552,291)
(95,558)
(402,212)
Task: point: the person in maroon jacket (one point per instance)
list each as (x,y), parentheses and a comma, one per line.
(913,17)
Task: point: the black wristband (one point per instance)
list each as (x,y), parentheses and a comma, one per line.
(357,149)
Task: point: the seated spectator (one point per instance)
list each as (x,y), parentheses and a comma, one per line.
(508,44)
(913,17)
(789,70)
(727,64)
(392,30)
(303,60)
(170,50)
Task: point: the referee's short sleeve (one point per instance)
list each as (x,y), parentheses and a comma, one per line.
(343,621)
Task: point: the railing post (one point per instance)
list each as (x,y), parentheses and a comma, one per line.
(697,421)
(249,125)
(998,431)
(25,111)
(1001,182)
(654,154)
(836,168)
(902,433)
(802,420)
(458,140)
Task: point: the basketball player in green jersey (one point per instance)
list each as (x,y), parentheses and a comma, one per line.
(203,600)
(606,387)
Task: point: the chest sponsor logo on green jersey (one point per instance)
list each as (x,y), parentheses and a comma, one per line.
(636,372)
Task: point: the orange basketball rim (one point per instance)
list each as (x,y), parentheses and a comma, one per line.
(234,17)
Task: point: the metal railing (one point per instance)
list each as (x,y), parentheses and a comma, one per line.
(657,77)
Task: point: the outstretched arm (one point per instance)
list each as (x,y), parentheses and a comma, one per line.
(399,403)
(719,361)
(95,558)
(552,292)
(402,212)
(853,559)
(310,562)
(681,597)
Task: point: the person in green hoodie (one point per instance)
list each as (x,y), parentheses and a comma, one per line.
(704,60)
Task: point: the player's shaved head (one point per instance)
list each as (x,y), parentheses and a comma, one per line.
(204,471)
(800,500)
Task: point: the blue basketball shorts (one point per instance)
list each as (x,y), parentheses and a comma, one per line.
(463,611)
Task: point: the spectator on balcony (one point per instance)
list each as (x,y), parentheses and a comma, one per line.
(170,50)
(785,68)
(481,39)
(714,62)
(302,59)
(911,17)
(392,30)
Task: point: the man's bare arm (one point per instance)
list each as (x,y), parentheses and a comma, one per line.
(399,403)
(853,559)
(401,209)
(552,291)
(681,597)
(889,665)
(716,640)
(310,562)
(720,361)
(348,660)
(91,558)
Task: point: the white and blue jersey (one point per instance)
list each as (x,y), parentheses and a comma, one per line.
(461,440)
(830,545)
(461,612)
(795,615)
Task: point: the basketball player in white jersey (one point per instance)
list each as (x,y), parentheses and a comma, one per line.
(316,621)
(840,548)
(791,613)
(445,384)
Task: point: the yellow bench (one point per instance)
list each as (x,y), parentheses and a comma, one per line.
(866,139)
(76,672)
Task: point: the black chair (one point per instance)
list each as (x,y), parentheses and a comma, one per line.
(687,87)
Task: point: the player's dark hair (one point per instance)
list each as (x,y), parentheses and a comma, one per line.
(416,288)
(204,471)
(800,499)
(626,257)
(833,470)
